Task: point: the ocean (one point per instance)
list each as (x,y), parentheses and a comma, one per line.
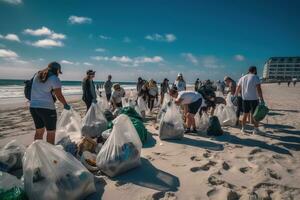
(14,89)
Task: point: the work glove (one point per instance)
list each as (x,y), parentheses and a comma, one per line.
(67,107)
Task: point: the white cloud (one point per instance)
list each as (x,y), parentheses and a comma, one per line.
(44,31)
(191,58)
(47,43)
(88,64)
(210,62)
(239,57)
(67,62)
(100,50)
(126,40)
(11,37)
(103,37)
(127,61)
(79,20)
(14,2)
(6,53)
(161,38)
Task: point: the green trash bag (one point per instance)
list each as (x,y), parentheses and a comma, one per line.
(15,193)
(260,112)
(214,127)
(11,188)
(130,112)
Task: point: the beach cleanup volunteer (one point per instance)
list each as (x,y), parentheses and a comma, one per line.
(45,85)
(192,101)
(116,97)
(107,86)
(88,89)
(180,83)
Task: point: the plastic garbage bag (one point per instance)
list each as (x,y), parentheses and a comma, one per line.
(108,115)
(201,122)
(88,159)
(105,134)
(51,173)
(94,122)
(163,109)
(103,103)
(11,156)
(219,112)
(260,112)
(171,124)
(229,116)
(126,101)
(122,149)
(214,127)
(142,104)
(136,108)
(11,188)
(68,125)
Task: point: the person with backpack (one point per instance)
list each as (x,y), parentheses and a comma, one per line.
(250,88)
(192,101)
(46,84)
(88,89)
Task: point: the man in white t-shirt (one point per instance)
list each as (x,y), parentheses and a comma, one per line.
(193,101)
(250,88)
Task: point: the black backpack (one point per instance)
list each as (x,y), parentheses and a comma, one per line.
(27,88)
(214,127)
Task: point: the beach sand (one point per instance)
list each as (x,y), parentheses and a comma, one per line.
(232,166)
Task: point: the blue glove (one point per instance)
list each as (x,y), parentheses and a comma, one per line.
(67,107)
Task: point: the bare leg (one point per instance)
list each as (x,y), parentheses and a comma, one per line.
(51,137)
(39,133)
(245,117)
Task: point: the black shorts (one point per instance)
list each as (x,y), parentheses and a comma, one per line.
(44,118)
(250,105)
(194,107)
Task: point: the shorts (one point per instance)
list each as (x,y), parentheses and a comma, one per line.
(250,105)
(194,107)
(43,117)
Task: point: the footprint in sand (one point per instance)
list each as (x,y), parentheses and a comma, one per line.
(205,167)
(164,196)
(273,174)
(195,158)
(244,170)
(150,158)
(217,193)
(255,151)
(225,166)
(207,154)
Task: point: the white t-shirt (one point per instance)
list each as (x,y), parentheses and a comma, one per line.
(180,85)
(117,95)
(188,97)
(248,85)
(41,92)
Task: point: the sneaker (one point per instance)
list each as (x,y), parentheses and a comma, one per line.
(194,131)
(187,130)
(243,130)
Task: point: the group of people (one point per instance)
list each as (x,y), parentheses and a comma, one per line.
(46,88)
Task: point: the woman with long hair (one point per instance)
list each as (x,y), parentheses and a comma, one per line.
(88,89)
(46,87)
(152,94)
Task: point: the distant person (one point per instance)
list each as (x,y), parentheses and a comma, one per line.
(42,101)
(279,82)
(288,83)
(108,86)
(220,86)
(192,101)
(88,89)
(197,84)
(231,84)
(294,82)
(139,85)
(152,94)
(250,88)
(164,88)
(180,83)
(117,95)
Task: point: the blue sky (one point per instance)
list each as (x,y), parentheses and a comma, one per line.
(152,39)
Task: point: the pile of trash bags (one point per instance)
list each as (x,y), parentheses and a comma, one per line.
(11,188)
(171,123)
(51,173)
(122,149)
(94,122)
(11,156)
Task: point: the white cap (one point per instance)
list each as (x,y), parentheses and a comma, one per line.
(179,74)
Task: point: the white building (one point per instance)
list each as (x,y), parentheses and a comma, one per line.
(282,68)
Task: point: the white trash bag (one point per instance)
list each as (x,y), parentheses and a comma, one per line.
(142,104)
(163,109)
(121,151)
(171,124)
(94,122)
(11,156)
(104,104)
(219,112)
(229,114)
(51,173)
(202,122)
(68,125)
(11,187)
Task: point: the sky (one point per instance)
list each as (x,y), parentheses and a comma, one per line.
(151,39)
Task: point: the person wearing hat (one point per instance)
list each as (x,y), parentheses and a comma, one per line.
(192,101)
(88,89)
(180,83)
(107,86)
(164,88)
(45,88)
(116,96)
(250,88)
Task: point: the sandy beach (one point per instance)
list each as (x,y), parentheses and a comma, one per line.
(232,166)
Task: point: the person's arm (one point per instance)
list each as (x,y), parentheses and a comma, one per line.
(178,101)
(238,90)
(60,96)
(92,89)
(259,91)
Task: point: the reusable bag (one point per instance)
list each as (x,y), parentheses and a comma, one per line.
(94,122)
(121,151)
(171,124)
(51,173)
(260,112)
(11,156)
(68,132)
(11,188)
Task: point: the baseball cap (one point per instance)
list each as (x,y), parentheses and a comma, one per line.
(55,66)
(90,72)
(179,74)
